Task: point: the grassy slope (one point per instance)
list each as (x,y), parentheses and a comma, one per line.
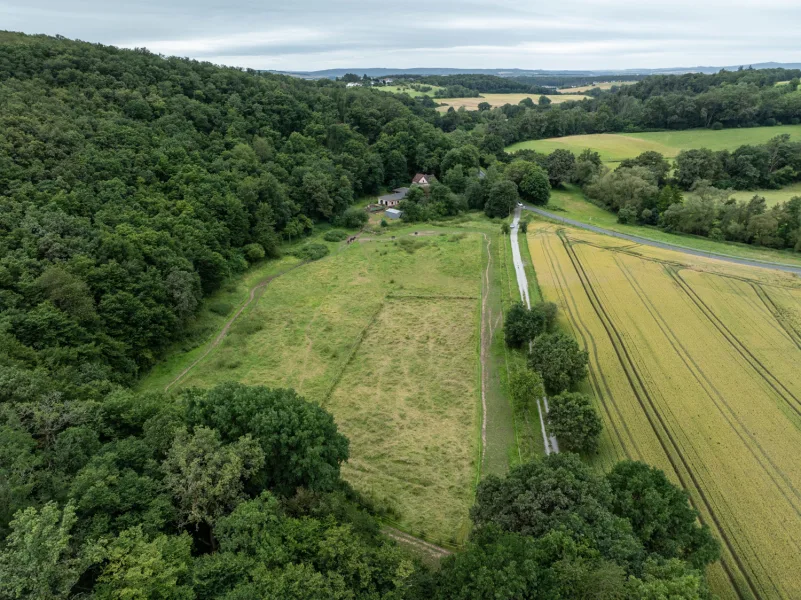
(571,203)
(614,147)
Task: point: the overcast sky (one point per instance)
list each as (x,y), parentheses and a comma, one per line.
(322,34)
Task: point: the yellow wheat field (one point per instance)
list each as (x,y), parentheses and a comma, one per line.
(695,366)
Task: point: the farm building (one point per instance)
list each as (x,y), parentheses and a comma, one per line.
(394,198)
(423,180)
(393,213)
(353,84)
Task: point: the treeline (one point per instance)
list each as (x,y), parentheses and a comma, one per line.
(565,81)
(132,185)
(235,492)
(490,84)
(695,199)
(737,99)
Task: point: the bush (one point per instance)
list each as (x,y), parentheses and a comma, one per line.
(335,235)
(311,251)
(559,360)
(254,252)
(220,308)
(525,387)
(574,421)
(384,223)
(353,218)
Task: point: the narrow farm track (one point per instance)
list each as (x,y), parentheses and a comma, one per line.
(486,340)
(682,467)
(253,295)
(665,246)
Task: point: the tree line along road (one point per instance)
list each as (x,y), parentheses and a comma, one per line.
(667,246)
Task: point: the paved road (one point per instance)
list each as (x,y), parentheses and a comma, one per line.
(645,241)
(550,442)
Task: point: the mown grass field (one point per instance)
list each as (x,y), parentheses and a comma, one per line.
(500,100)
(614,147)
(386,335)
(694,368)
(570,202)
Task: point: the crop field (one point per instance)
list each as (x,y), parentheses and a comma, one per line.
(385,335)
(694,369)
(614,147)
(501,99)
(606,85)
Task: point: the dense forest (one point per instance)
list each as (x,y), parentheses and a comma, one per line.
(131,186)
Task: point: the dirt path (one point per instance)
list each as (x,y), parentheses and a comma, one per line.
(550,442)
(486,340)
(435,552)
(254,292)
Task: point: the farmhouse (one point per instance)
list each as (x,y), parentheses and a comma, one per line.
(353,84)
(423,180)
(393,213)
(394,198)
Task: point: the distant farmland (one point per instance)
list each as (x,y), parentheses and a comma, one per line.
(614,147)
(694,365)
(606,85)
(501,99)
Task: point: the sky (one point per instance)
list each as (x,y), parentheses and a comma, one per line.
(306,35)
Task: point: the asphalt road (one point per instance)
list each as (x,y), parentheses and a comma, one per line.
(646,242)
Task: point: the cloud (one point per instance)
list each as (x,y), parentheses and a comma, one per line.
(318,34)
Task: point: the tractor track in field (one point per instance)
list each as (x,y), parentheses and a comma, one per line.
(698,374)
(778,387)
(775,312)
(643,397)
(254,294)
(581,328)
(484,344)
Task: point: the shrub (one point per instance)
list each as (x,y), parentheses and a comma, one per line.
(353,218)
(254,252)
(335,235)
(311,251)
(220,308)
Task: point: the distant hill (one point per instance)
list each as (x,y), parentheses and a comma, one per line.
(383,72)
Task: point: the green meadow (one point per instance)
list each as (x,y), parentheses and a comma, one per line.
(614,147)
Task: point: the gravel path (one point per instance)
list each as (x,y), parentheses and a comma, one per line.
(647,242)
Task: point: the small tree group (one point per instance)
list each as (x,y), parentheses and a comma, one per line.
(522,325)
(559,360)
(573,419)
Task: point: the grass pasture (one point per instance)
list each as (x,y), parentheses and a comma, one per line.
(614,147)
(405,89)
(772,197)
(384,334)
(694,368)
(500,99)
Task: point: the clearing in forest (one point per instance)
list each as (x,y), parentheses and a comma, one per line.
(501,99)
(694,368)
(384,334)
(614,147)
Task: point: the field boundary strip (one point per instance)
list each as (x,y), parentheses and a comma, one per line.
(643,397)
